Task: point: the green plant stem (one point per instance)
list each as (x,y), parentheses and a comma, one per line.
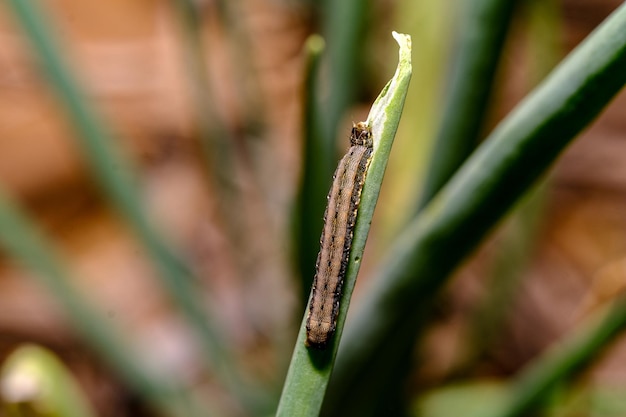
(564,361)
(519,233)
(119,184)
(239,33)
(483,30)
(310,369)
(503,168)
(25,243)
(346,24)
(216,140)
(317,164)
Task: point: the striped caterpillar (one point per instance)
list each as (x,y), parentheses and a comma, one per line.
(336,239)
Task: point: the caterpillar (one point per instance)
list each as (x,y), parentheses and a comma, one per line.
(336,240)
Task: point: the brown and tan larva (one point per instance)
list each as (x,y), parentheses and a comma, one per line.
(336,240)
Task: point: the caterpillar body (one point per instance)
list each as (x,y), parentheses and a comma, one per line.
(336,240)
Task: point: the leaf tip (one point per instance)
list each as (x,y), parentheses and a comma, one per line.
(315,44)
(403,39)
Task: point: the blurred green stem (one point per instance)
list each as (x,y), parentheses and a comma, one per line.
(513,250)
(480,40)
(346,24)
(316,164)
(564,360)
(217,141)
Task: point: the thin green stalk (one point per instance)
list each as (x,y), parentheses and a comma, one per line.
(430,24)
(514,245)
(346,23)
(564,361)
(482,33)
(120,185)
(25,243)
(239,34)
(317,163)
(217,142)
(516,154)
(310,369)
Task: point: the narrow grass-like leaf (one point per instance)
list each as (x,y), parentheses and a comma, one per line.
(345,25)
(310,369)
(483,29)
(514,248)
(565,360)
(239,33)
(514,156)
(431,26)
(317,157)
(216,140)
(25,243)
